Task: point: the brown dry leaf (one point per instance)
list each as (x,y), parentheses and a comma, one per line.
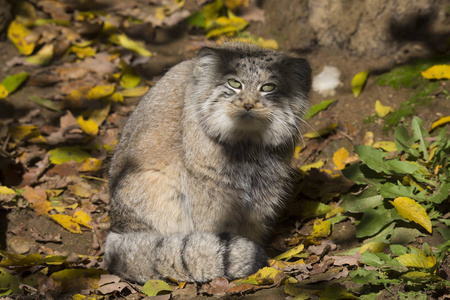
(37,197)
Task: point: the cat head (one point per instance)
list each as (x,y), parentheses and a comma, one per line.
(244,93)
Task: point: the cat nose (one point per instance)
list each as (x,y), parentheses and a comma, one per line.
(248,106)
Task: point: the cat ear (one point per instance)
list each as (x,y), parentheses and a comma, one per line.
(299,71)
(208,59)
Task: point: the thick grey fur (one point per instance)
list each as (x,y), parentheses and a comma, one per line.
(197,180)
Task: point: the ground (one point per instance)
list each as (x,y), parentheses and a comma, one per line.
(24,230)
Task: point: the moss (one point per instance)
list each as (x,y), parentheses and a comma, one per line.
(408,76)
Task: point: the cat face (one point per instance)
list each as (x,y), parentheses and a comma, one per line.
(249,94)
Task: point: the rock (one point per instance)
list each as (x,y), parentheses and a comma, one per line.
(21,245)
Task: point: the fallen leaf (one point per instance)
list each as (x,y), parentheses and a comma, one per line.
(17,33)
(321,132)
(438,123)
(129,78)
(11,83)
(90,127)
(100,91)
(4,190)
(315,109)
(67,154)
(9,284)
(37,197)
(386,146)
(155,287)
(321,229)
(269,276)
(358,82)
(127,43)
(45,103)
(225,25)
(90,164)
(339,157)
(373,247)
(419,260)
(135,92)
(42,57)
(368,138)
(82,218)
(317,165)
(78,279)
(288,254)
(67,222)
(382,110)
(437,72)
(413,211)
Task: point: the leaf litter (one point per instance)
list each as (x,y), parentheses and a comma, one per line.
(402,183)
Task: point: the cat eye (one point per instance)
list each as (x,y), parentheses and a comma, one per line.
(268,87)
(234,83)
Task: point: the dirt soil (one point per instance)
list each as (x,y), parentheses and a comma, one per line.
(17,227)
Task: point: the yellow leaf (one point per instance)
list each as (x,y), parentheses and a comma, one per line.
(321,132)
(4,190)
(135,92)
(339,157)
(437,72)
(317,165)
(67,222)
(416,275)
(129,44)
(288,254)
(17,33)
(116,97)
(269,275)
(419,260)
(440,122)
(90,165)
(381,109)
(88,126)
(373,247)
(386,146)
(82,52)
(233,4)
(66,154)
(22,131)
(413,211)
(368,138)
(82,218)
(358,82)
(335,211)
(100,91)
(297,151)
(225,25)
(321,229)
(3,92)
(43,56)
(129,79)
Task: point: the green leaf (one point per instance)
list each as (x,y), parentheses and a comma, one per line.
(401,167)
(418,134)
(374,259)
(373,221)
(362,174)
(404,236)
(45,103)
(445,232)
(391,190)
(9,284)
(11,83)
(398,250)
(317,108)
(156,287)
(358,82)
(362,276)
(67,154)
(197,19)
(369,198)
(403,141)
(373,158)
